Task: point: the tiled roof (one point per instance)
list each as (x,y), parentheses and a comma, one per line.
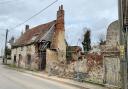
(35,34)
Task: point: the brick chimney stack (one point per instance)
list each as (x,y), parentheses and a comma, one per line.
(60,19)
(59,35)
(58,41)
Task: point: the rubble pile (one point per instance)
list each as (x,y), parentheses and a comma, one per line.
(87,69)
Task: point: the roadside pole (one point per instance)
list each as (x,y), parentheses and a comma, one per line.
(123,19)
(126,54)
(5,49)
(124,62)
(126,58)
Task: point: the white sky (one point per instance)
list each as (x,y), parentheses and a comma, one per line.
(93,14)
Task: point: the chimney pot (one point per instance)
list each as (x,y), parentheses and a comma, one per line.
(61,7)
(26,27)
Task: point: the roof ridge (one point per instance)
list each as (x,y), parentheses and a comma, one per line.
(41,25)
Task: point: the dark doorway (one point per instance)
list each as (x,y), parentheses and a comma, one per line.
(28,61)
(42,49)
(43,60)
(14,61)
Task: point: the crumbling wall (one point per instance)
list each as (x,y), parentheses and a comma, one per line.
(112,68)
(24,51)
(86,69)
(51,59)
(111,53)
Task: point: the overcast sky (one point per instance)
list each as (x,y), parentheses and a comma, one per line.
(93,14)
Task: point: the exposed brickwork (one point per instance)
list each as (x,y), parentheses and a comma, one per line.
(58,41)
(59,36)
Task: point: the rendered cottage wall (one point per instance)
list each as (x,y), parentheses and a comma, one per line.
(21,54)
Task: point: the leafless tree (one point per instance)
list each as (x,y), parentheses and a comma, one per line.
(101,38)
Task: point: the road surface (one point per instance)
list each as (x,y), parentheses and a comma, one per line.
(11,79)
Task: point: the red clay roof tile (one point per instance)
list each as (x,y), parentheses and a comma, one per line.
(29,35)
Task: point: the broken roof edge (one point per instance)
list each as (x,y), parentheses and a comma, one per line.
(22,45)
(41,25)
(45,35)
(17,44)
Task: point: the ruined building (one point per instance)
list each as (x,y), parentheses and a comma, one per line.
(38,45)
(111,56)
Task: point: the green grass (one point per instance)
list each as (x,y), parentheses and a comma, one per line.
(21,69)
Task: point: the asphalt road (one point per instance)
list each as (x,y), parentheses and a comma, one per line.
(11,79)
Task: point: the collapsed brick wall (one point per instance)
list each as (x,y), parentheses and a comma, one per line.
(88,69)
(95,67)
